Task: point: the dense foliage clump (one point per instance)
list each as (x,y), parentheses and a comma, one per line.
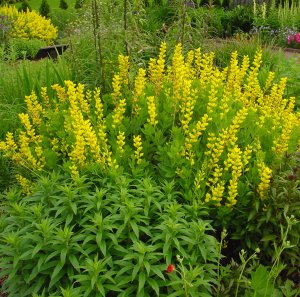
(28,25)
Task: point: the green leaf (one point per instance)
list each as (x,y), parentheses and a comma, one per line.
(142,280)
(63,255)
(259,278)
(157,271)
(134,272)
(177,293)
(147,266)
(154,285)
(74,207)
(100,288)
(73,260)
(102,247)
(135,228)
(56,274)
(269,237)
(33,274)
(27,255)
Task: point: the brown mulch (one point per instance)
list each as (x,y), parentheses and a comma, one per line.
(1,282)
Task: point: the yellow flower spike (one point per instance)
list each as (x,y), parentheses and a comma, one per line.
(123,69)
(157,68)
(244,67)
(34,108)
(178,72)
(217,193)
(45,98)
(265,174)
(118,113)
(77,155)
(281,144)
(121,142)
(60,92)
(269,80)
(139,90)
(74,170)
(137,143)
(109,160)
(82,102)
(116,84)
(26,157)
(152,113)
(234,162)
(28,127)
(10,142)
(213,92)
(91,139)
(24,183)
(193,136)
(88,96)
(187,106)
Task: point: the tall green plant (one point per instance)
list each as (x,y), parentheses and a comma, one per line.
(44,8)
(63,4)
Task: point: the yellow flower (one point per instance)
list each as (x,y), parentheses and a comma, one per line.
(151,111)
(24,183)
(29,25)
(123,69)
(265,174)
(119,112)
(116,84)
(139,90)
(121,142)
(137,143)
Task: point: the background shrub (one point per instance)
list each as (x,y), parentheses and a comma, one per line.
(44,9)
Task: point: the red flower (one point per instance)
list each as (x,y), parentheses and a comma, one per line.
(170,268)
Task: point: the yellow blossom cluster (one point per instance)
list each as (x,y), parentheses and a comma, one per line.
(157,67)
(121,141)
(123,69)
(214,124)
(24,183)
(29,24)
(152,113)
(139,90)
(265,174)
(137,143)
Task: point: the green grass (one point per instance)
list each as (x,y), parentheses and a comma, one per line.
(54,4)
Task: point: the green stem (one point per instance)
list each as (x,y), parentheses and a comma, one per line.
(241,274)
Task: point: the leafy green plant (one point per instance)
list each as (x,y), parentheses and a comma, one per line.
(99,234)
(25,48)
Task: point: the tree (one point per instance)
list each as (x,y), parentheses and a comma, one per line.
(25,6)
(78,4)
(63,4)
(44,8)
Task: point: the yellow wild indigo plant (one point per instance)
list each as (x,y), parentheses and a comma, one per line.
(215,132)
